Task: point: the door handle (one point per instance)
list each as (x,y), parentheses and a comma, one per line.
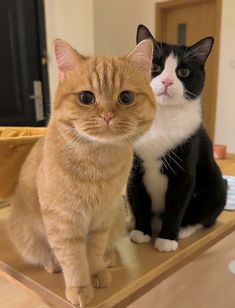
(37,97)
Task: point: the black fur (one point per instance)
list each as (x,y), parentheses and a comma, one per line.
(196,190)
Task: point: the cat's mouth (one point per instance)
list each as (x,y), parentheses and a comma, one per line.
(163,93)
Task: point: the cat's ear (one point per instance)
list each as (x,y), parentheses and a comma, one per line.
(202,49)
(142,56)
(67,58)
(143,33)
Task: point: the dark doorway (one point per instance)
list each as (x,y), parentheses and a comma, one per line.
(24,91)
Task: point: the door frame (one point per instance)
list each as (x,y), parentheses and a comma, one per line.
(41,25)
(160,12)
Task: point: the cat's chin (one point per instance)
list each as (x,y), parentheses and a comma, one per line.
(105,138)
(110,135)
(165,100)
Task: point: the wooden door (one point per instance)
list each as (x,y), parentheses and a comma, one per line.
(186,22)
(24,93)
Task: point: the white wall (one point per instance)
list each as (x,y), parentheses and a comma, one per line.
(225,114)
(115,23)
(148,9)
(71,20)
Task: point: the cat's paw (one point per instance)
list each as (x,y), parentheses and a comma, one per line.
(189,230)
(139,237)
(80,296)
(53,269)
(102,279)
(53,266)
(110,258)
(165,245)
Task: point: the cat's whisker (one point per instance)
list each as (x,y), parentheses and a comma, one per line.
(63,134)
(164,165)
(193,94)
(60,143)
(168,154)
(173,152)
(168,164)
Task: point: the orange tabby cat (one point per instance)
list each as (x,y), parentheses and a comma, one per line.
(66,201)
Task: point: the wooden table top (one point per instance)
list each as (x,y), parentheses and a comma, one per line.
(15,295)
(205,282)
(140,266)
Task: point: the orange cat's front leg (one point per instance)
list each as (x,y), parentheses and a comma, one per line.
(96,245)
(69,246)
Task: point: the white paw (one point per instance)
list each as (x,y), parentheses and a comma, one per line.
(189,230)
(139,237)
(165,245)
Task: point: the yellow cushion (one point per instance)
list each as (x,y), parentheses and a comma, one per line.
(15,144)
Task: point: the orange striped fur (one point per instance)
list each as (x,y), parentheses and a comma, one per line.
(66,209)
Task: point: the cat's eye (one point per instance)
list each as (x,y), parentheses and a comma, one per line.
(126,97)
(156,69)
(184,72)
(86,98)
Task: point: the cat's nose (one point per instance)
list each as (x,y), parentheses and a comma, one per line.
(107,116)
(167,82)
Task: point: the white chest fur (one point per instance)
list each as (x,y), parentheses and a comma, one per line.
(172,125)
(156,183)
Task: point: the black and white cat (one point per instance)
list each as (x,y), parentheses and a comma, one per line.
(175,184)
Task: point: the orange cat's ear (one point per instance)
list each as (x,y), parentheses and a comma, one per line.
(67,58)
(142,55)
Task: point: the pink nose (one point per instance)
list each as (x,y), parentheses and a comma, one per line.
(107,117)
(167,82)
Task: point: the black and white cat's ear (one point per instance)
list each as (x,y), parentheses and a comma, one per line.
(143,33)
(67,58)
(202,49)
(142,56)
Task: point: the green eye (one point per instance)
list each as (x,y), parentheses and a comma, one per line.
(184,72)
(86,98)
(126,97)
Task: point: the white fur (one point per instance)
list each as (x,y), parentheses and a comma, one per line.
(175,92)
(139,237)
(156,183)
(189,230)
(164,245)
(176,120)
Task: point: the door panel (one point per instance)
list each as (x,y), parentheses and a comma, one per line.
(196,20)
(19,61)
